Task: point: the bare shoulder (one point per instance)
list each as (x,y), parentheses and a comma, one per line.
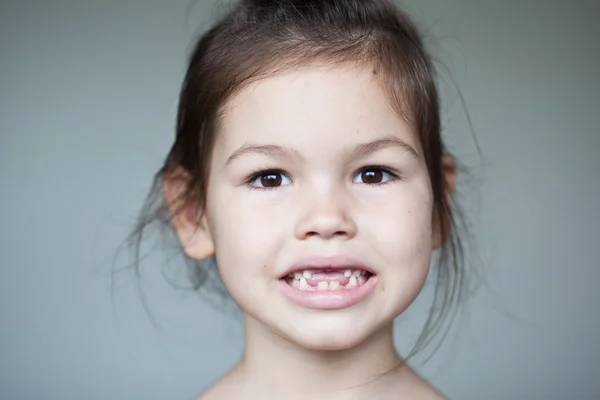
(212,393)
(424,392)
(414,387)
(428,392)
(419,392)
(218,392)
(228,387)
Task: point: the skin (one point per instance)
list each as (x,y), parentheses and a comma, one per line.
(321,203)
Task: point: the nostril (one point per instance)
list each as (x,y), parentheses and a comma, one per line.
(327,234)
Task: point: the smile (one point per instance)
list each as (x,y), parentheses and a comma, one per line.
(328,288)
(327,280)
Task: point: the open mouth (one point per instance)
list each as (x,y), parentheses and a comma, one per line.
(328,283)
(328,279)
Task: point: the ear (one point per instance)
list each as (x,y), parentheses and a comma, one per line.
(193,233)
(449,171)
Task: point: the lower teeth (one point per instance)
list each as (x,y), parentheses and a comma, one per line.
(354,282)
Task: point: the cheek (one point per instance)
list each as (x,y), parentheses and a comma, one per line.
(401,240)
(402,231)
(244,238)
(407,233)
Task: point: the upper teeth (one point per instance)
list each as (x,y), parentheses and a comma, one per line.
(307,274)
(353,278)
(303,283)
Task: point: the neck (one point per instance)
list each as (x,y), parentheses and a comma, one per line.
(276,366)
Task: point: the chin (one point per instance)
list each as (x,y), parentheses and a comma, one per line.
(329,332)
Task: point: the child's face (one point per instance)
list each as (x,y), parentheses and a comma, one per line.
(322,205)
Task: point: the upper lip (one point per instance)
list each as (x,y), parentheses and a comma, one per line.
(329,262)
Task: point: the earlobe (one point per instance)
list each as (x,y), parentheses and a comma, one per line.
(449,171)
(193,232)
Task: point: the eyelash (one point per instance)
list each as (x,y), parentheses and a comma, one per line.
(394,176)
(261,172)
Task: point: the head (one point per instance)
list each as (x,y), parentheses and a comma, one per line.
(312,129)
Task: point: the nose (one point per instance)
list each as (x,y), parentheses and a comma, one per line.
(325,215)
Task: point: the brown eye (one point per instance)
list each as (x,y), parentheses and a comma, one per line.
(269,180)
(372,176)
(375,176)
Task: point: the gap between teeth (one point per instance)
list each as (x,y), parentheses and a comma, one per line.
(357,278)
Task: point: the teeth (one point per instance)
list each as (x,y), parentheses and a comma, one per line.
(300,281)
(303,283)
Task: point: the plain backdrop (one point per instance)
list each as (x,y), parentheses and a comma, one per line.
(88,95)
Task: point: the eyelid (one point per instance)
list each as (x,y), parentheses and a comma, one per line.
(395,175)
(261,172)
(265,171)
(384,168)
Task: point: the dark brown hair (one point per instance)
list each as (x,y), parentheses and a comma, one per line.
(258,38)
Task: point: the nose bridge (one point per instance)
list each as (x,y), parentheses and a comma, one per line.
(325,211)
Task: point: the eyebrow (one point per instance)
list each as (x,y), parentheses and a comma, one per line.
(361,150)
(364,149)
(264,149)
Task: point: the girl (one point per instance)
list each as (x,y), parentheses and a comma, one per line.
(308,164)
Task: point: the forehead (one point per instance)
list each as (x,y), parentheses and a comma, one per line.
(303,107)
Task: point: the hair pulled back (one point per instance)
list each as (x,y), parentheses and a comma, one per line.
(258,38)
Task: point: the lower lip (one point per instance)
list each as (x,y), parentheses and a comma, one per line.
(329,299)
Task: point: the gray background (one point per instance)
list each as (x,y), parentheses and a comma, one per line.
(88,93)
